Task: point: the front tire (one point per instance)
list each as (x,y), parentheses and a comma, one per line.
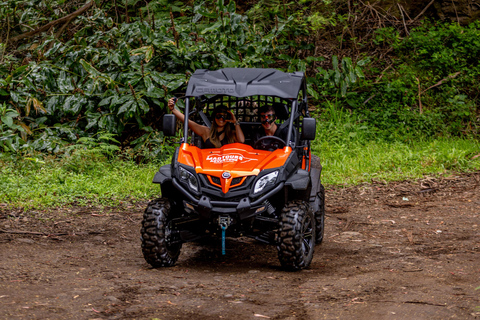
(155,235)
(296,237)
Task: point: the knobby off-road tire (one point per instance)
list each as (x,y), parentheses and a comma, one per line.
(320,216)
(315,162)
(157,250)
(296,236)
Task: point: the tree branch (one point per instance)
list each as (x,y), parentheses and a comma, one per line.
(403,18)
(452,76)
(60,31)
(423,11)
(52,23)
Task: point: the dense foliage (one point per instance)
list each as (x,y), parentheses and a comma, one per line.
(108,71)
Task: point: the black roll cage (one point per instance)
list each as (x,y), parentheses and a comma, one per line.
(207,89)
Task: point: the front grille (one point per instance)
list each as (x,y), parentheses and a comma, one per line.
(215,180)
(240,187)
(236,181)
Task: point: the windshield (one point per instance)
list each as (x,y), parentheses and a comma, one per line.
(258,116)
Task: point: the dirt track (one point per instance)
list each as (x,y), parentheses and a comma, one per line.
(407,250)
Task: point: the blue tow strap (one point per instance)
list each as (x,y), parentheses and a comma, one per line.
(223,239)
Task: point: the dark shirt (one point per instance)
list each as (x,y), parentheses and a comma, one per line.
(280,133)
(208,144)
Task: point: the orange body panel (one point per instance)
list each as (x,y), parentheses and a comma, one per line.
(238,159)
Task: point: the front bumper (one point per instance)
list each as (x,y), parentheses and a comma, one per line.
(244,208)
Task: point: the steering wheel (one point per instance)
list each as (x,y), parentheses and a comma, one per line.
(269,143)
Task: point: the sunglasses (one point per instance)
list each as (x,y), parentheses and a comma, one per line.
(224,116)
(268,118)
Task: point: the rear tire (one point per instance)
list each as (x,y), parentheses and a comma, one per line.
(296,237)
(320,198)
(315,162)
(155,235)
(320,216)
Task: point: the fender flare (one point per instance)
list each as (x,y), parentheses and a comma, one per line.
(300,180)
(164,174)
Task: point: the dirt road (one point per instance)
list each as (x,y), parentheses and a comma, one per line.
(408,250)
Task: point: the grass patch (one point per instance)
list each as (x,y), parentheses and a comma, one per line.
(356,162)
(351,153)
(75,181)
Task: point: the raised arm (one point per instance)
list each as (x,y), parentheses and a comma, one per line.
(200,130)
(240,137)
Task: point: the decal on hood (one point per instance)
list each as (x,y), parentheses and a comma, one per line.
(225,158)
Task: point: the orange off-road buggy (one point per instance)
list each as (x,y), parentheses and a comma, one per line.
(268,189)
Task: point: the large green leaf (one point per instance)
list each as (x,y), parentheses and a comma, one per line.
(213,28)
(64,82)
(128,106)
(90,69)
(155,93)
(7,120)
(15,96)
(105,101)
(148,51)
(143,105)
(19,71)
(92,118)
(73,104)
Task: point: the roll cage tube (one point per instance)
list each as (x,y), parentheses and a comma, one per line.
(186,119)
(290,123)
(293,112)
(304,99)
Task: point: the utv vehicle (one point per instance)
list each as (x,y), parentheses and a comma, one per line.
(268,189)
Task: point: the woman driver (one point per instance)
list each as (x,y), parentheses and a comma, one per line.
(220,133)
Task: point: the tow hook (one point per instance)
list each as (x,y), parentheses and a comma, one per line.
(224,222)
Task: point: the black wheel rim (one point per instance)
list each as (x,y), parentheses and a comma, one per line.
(307,236)
(168,238)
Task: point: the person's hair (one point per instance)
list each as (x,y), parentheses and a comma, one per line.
(229,132)
(266,108)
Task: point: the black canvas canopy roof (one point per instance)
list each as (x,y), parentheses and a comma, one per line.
(244,82)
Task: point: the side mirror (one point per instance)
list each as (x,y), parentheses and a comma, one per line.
(169,123)
(309,128)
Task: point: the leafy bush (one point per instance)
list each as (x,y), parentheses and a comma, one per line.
(428,90)
(117,65)
(444,59)
(116,77)
(9,139)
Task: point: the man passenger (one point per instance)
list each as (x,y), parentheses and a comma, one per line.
(270,127)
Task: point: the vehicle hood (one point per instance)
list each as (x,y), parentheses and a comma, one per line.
(237,159)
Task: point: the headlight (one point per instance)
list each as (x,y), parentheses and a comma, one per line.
(189,178)
(265,180)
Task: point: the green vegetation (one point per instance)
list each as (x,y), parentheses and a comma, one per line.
(112,67)
(352,152)
(81,101)
(355,161)
(90,180)
(93,177)
(116,76)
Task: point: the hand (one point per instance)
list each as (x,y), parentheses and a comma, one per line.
(232,117)
(171,103)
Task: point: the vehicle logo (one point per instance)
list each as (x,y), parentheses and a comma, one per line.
(226,175)
(215,90)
